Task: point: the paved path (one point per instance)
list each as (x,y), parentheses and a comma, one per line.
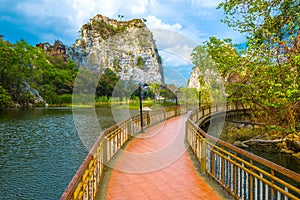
(156,166)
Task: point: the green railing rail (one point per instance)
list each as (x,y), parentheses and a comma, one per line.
(85,182)
(243,174)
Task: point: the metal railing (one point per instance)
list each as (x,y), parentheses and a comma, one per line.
(243,174)
(85,182)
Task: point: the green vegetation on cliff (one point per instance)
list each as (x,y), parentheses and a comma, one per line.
(27,71)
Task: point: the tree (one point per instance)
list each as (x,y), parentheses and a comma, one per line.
(25,69)
(107,83)
(8,61)
(155,88)
(273,32)
(215,60)
(232,66)
(267,22)
(5,99)
(188,95)
(272,66)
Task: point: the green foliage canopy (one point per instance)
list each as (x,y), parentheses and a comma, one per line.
(266,74)
(22,64)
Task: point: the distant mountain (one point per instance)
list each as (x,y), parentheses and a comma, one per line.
(193,81)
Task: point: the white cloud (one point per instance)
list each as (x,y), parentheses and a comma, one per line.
(140,7)
(175,49)
(78,12)
(70,15)
(172,40)
(206,8)
(154,22)
(206,3)
(206,14)
(84,10)
(43,9)
(183,51)
(172,59)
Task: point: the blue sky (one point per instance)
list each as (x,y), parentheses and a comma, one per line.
(178,25)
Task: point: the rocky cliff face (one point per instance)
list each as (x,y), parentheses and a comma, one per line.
(126,47)
(193,81)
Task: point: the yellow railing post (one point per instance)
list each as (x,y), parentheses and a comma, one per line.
(223,169)
(251,180)
(129,129)
(203,156)
(105,151)
(148,119)
(272,181)
(187,130)
(234,174)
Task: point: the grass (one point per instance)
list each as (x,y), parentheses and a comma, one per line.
(81,106)
(133,105)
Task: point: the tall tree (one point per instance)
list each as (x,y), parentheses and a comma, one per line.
(272,29)
(107,83)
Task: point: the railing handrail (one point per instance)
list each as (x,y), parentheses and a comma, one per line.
(204,139)
(103,137)
(287,172)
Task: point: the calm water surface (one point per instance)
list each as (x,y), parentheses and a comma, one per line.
(40,150)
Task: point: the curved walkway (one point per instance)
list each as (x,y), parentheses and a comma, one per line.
(156,166)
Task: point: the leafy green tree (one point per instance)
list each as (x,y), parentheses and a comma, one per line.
(272,63)
(124,88)
(273,25)
(16,67)
(155,89)
(215,63)
(8,59)
(5,99)
(107,83)
(22,64)
(188,95)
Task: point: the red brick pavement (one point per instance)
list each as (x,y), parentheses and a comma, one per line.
(174,179)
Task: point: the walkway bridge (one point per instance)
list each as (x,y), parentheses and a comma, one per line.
(155,164)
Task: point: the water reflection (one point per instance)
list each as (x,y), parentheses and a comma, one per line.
(40,151)
(286,160)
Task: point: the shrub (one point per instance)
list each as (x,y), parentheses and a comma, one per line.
(102,99)
(5,99)
(66,98)
(140,63)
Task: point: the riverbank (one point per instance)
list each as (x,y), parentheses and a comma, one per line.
(261,137)
(132,105)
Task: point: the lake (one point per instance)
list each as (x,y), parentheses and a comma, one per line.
(41,150)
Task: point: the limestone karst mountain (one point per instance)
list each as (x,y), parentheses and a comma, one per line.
(126,47)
